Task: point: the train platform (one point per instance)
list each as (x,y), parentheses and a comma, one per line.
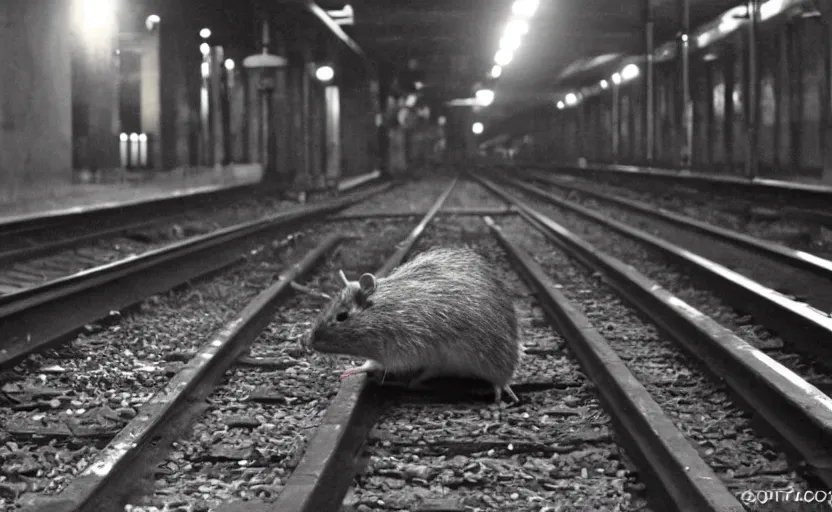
(87,196)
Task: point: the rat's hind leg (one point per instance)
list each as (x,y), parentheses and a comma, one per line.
(511,394)
(498,394)
(368,366)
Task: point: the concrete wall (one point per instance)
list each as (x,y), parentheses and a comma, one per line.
(35,97)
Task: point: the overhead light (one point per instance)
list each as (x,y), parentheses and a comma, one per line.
(571,98)
(510,42)
(205,48)
(517,27)
(151,21)
(524,8)
(477,128)
(561,105)
(325,73)
(229,64)
(503,57)
(485,97)
(604,84)
(629,72)
(616,78)
(205,33)
(496,71)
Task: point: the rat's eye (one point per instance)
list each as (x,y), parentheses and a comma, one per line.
(343,315)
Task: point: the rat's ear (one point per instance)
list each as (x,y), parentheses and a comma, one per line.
(368,284)
(343,278)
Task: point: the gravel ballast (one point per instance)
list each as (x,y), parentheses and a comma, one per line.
(260,419)
(703,410)
(793,282)
(137,241)
(711,208)
(554,451)
(407,197)
(79,396)
(676,280)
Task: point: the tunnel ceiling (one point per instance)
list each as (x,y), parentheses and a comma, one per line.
(455,40)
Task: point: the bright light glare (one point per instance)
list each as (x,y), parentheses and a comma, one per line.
(477,128)
(204,48)
(325,73)
(205,33)
(205,69)
(441,121)
(123,137)
(510,42)
(418,85)
(525,8)
(152,21)
(143,137)
(229,64)
(134,137)
(96,15)
(503,57)
(771,8)
(571,99)
(561,105)
(728,25)
(604,84)
(485,97)
(629,72)
(616,78)
(517,27)
(496,71)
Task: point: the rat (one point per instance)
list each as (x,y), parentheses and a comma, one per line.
(443,313)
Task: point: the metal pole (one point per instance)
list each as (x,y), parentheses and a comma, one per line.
(650,112)
(265,86)
(616,128)
(687,106)
(753,104)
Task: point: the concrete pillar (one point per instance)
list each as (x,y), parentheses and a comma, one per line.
(96,125)
(238,115)
(216,62)
(826,13)
(317,130)
(179,72)
(333,133)
(151,96)
(35,97)
(359,134)
(304,84)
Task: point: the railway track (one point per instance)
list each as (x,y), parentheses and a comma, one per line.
(611,410)
(37,248)
(39,316)
(25,237)
(796,228)
(762,190)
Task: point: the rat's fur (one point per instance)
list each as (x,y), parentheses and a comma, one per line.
(445,312)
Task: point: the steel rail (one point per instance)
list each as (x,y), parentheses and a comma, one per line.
(37,317)
(808,329)
(685,480)
(107,483)
(800,413)
(326,470)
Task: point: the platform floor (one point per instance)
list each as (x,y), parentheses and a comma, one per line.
(161,185)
